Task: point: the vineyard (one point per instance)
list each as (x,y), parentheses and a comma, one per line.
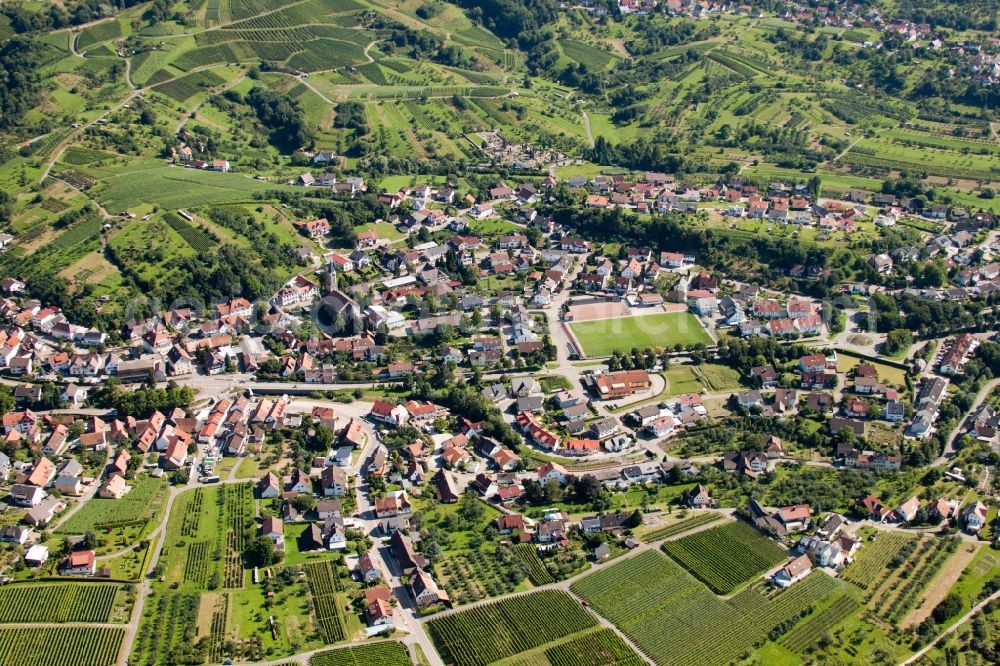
(858,159)
(869,565)
(69,602)
(105,514)
(730,63)
(594,58)
(600,648)
(675,620)
(812,629)
(727,556)
(324,585)
(662,533)
(187,86)
(192,235)
(382,653)
(196,566)
(239,508)
(191,518)
(537,573)
(78,233)
(169,625)
(60,646)
(96,34)
(900,592)
(485,634)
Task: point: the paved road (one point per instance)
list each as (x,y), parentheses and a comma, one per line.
(962,426)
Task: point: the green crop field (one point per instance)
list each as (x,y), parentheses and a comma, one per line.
(591,56)
(727,556)
(605,336)
(677,621)
(869,565)
(813,628)
(96,34)
(661,533)
(600,648)
(190,85)
(324,585)
(174,187)
(383,653)
(68,602)
(485,634)
(60,646)
(136,506)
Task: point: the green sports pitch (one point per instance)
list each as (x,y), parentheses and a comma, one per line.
(604,336)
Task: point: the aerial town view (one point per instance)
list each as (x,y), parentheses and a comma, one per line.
(499,332)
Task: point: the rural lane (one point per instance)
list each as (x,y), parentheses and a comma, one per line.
(960,427)
(950,630)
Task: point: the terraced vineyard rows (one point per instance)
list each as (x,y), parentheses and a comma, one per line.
(600,648)
(858,159)
(190,85)
(324,585)
(58,602)
(678,528)
(485,634)
(537,573)
(60,646)
(724,557)
(810,630)
(676,621)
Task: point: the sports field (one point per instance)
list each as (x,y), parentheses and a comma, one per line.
(604,336)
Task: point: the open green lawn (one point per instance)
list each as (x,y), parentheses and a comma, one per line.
(384,230)
(682,379)
(604,336)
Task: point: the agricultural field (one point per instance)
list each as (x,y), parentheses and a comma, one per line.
(505,628)
(116,517)
(67,602)
(675,619)
(725,557)
(382,653)
(661,533)
(60,646)
(324,587)
(172,187)
(869,566)
(604,336)
(903,587)
(206,591)
(528,555)
(812,629)
(600,648)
